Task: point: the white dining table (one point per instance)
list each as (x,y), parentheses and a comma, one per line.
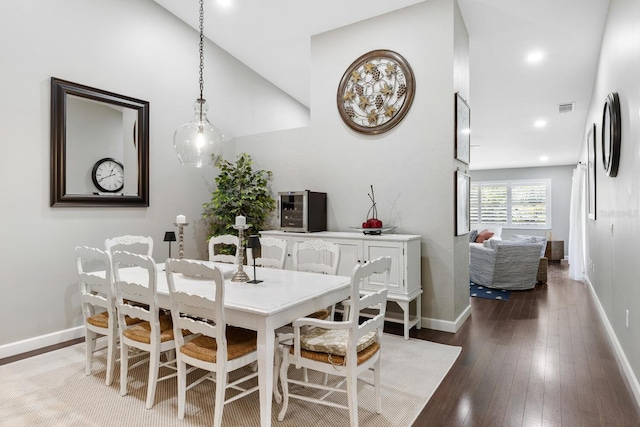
(282,297)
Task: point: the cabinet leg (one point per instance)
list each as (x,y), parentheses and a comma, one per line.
(405,308)
(419,311)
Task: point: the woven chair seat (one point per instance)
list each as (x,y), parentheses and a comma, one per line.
(239,342)
(335,360)
(101,320)
(320,314)
(141,332)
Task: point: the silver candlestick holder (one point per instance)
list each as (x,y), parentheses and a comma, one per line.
(181,227)
(240,275)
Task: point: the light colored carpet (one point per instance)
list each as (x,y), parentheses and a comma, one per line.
(51,389)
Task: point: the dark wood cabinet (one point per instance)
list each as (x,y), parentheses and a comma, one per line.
(555,250)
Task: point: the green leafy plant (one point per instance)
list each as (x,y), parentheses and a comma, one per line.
(241,190)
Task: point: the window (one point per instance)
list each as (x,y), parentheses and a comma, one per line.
(517,204)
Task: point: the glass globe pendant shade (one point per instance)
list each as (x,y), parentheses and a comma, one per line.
(198,143)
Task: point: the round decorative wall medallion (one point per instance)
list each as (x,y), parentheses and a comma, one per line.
(611,134)
(376,92)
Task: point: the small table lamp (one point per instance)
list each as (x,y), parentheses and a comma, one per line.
(254,243)
(170,236)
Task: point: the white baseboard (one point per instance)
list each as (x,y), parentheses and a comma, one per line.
(617,347)
(35,343)
(445,325)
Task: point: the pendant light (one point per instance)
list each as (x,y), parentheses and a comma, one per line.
(199,143)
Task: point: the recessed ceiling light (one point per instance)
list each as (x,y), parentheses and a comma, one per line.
(225,3)
(544,158)
(535,57)
(540,123)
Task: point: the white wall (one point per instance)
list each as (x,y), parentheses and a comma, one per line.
(411,166)
(612,239)
(134,48)
(561,179)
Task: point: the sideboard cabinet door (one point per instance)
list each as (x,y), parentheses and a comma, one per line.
(375,249)
(350,255)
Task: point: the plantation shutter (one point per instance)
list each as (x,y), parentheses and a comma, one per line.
(523,204)
(528,204)
(474,200)
(495,204)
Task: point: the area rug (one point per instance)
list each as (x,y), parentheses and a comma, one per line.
(51,389)
(488,293)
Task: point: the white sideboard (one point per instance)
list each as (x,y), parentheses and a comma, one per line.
(405,284)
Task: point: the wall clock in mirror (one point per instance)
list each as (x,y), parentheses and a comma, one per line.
(375,92)
(108,175)
(611,134)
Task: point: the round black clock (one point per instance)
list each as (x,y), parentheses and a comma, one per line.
(108,175)
(611,134)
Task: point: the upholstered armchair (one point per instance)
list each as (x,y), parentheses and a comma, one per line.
(511,266)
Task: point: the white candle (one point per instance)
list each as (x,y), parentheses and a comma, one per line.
(181,219)
(241,221)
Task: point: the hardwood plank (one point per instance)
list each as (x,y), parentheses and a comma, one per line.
(540,359)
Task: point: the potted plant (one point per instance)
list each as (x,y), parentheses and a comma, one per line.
(241,190)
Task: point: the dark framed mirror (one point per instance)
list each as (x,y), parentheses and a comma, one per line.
(99,147)
(611,135)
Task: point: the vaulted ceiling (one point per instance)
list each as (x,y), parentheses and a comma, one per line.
(515,100)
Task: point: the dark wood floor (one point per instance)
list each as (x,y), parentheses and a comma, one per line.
(540,359)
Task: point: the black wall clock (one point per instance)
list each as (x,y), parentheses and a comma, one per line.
(611,134)
(108,175)
(376,92)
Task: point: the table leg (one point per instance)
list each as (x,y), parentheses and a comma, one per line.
(266,337)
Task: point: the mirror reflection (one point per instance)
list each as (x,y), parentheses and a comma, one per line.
(98,131)
(99,147)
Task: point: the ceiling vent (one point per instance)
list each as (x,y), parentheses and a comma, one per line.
(567,107)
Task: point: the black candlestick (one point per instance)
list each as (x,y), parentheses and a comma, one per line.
(254,243)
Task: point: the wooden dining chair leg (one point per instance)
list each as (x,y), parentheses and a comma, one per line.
(112,349)
(221,387)
(277,362)
(90,341)
(284,380)
(376,379)
(352,398)
(124,367)
(182,387)
(154,367)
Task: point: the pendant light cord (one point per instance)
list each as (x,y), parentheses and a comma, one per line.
(201,55)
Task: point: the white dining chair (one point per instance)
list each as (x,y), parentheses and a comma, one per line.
(154,335)
(313,256)
(341,348)
(218,347)
(135,244)
(317,256)
(273,253)
(98,305)
(216,242)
